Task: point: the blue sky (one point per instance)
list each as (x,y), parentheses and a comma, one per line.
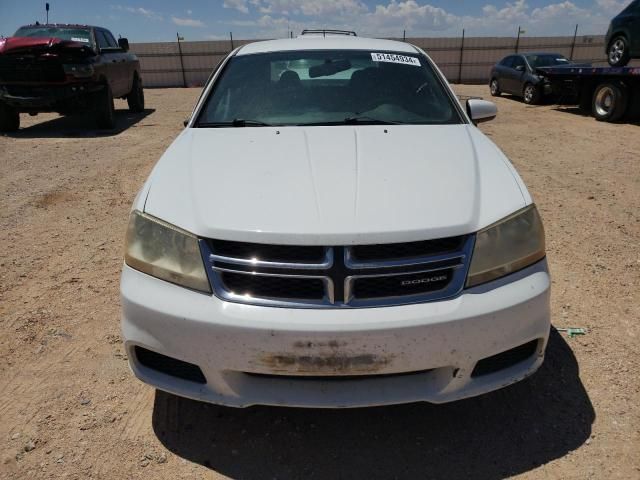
(146,20)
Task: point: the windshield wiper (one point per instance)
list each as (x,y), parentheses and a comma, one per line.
(236,122)
(369,120)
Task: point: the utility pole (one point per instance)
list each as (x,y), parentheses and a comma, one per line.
(573,45)
(184,77)
(520,31)
(461,56)
(231,38)
(46,7)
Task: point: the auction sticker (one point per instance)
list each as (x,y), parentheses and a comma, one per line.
(79,39)
(395,58)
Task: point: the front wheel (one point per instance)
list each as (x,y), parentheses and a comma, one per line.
(618,53)
(105,111)
(609,102)
(135,99)
(495,88)
(9,118)
(531,94)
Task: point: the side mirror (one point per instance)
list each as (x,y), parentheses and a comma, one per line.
(520,68)
(481,110)
(123,43)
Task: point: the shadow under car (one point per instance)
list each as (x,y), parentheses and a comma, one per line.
(493,436)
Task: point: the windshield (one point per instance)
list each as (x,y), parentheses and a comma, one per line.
(81,35)
(327,88)
(546,60)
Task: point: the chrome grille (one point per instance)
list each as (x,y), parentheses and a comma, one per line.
(338,277)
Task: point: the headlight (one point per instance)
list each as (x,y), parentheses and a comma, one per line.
(164,251)
(507,246)
(79,70)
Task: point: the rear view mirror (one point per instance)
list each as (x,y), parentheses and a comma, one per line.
(481,110)
(329,68)
(123,43)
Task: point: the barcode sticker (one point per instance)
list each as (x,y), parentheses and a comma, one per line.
(395,58)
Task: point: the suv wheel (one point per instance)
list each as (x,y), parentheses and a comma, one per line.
(495,88)
(9,118)
(531,94)
(609,102)
(618,53)
(135,99)
(105,111)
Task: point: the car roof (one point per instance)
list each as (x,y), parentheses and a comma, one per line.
(541,53)
(328,42)
(59,25)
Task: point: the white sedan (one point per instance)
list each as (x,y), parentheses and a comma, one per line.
(332,230)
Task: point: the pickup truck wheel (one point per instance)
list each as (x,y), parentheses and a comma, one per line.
(9,118)
(609,102)
(495,88)
(135,99)
(531,94)
(618,54)
(105,111)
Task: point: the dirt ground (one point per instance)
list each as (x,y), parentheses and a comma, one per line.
(70,408)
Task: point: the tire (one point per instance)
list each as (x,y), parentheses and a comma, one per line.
(494,86)
(105,111)
(135,99)
(531,94)
(618,54)
(609,102)
(9,118)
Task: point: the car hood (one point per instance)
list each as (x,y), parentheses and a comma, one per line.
(333,185)
(36,44)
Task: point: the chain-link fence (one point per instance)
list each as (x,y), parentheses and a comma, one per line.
(462,60)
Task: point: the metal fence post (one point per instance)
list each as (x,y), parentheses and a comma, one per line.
(184,77)
(461,58)
(573,44)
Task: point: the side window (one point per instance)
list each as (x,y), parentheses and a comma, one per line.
(507,61)
(110,40)
(517,61)
(105,39)
(101,39)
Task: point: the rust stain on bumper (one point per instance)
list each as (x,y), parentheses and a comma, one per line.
(332,363)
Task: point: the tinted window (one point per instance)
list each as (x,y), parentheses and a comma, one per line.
(101,39)
(105,39)
(507,61)
(73,34)
(517,61)
(110,40)
(327,87)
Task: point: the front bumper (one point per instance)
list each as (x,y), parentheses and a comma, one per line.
(40,98)
(336,358)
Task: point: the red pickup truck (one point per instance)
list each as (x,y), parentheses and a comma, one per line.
(66,69)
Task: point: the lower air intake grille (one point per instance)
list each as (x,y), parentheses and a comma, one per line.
(506,359)
(170,366)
